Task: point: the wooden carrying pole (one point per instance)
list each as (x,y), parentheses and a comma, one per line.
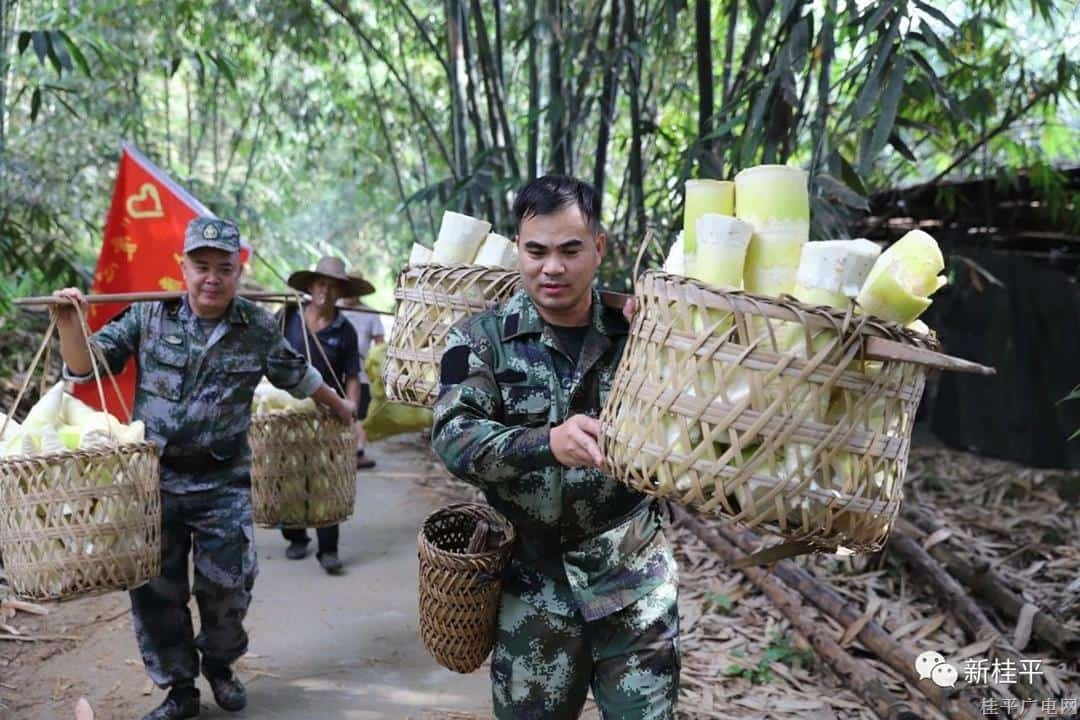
(259,295)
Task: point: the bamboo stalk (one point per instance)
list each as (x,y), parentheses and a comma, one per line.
(869,684)
(971,617)
(956,704)
(988,585)
(167,295)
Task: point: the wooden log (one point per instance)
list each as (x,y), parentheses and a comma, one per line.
(956,704)
(867,683)
(960,603)
(989,586)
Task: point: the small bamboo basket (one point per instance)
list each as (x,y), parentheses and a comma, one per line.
(763,409)
(431,298)
(463,551)
(303,469)
(84,522)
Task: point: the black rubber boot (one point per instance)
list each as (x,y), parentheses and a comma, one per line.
(182,702)
(229,692)
(330,563)
(297,550)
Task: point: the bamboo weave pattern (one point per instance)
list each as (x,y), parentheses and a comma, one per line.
(460,567)
(80,523)
(765,410)
(303,469)
(431,298)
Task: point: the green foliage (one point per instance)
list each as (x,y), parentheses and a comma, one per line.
(348,127)
(779,650)
(719,602)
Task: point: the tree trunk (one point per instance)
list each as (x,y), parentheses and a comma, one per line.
(636,164)
(532,162)
(953,597)
(703,44)
(958,705)
(557,134)
(456,51)
(729,47)
(985,582)
(827,46)
(607,99)
(501,130)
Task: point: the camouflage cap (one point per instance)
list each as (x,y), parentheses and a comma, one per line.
(213,233)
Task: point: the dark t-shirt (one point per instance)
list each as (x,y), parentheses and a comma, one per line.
(571,339)
(338,342)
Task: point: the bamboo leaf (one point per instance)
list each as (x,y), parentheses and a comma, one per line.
(41,45)
(877,17)
(936,14)
(900,146)
(834,189)
(890,102)
(54,56)
(936,42)
(76,53)
(24,41)
(35,104)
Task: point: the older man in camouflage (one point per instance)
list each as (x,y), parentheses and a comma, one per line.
(591,597)
(199,361)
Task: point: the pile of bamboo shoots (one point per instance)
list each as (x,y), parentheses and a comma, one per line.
(753,235)
(465,240)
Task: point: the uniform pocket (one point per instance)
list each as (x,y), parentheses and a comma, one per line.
(526,404)
(163,372)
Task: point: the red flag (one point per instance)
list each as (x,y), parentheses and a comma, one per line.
(143,244)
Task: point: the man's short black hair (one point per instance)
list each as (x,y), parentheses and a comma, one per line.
(551,193)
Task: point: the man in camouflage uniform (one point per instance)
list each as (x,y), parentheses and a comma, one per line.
(199,361)
(591,597)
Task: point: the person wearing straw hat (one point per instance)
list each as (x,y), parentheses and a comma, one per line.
(322,330)
(199,360)
(590,598)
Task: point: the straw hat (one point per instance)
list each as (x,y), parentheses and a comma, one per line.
(333,268)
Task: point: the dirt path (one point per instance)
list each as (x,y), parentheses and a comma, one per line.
(321,647)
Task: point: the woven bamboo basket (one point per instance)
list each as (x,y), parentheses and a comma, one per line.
(303,469)
(463,551)
(80,523)
(763,409)
(431,298)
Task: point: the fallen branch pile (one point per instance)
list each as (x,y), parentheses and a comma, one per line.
(947,582)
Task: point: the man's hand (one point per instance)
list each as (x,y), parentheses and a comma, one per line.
(346,411)
(574,442)
(65,311)
(629,309)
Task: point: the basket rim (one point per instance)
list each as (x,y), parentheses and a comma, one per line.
(868,324)
(124,448)
(426,546)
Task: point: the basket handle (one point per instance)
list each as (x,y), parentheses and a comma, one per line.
(318,344)
(95,356)
(479,539)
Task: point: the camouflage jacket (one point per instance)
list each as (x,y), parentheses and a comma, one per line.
(194,392)
(585,542)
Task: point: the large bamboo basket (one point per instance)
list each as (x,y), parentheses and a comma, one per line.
(431,298)
(463,551)
(80,523)
(713,408)
(303,469)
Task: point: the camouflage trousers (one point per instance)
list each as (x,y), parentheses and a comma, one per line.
(216,527)
(543,664)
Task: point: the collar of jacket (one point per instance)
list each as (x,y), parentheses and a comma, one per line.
(520,317)
(237,314)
